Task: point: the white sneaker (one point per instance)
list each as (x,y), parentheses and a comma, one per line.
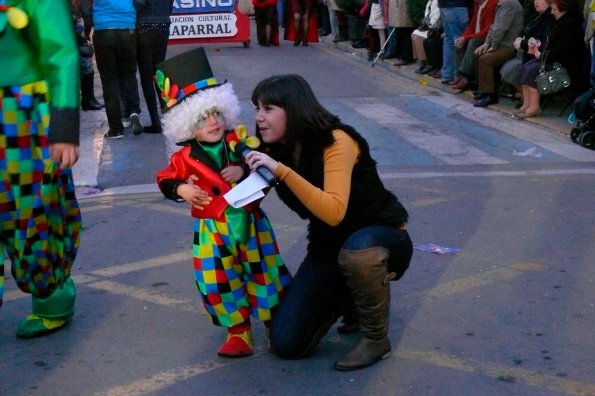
(137,126)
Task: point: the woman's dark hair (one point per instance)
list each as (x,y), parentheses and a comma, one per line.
(308,122)
(570,6)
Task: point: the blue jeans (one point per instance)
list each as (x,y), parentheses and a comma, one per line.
(454,21)
(318,294)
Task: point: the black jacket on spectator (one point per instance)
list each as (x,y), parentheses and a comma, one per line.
(155,12)
(540,27)
(565,44)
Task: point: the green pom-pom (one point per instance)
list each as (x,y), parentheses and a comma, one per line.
(160,79)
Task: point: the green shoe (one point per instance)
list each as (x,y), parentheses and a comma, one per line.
(36,326)
(50,313)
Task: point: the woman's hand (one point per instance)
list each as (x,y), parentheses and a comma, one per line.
(254,159)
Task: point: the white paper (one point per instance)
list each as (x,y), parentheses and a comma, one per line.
(247,191)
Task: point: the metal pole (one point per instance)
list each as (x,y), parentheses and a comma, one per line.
(382,49)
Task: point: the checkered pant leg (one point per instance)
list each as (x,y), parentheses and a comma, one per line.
(236,280)
(40,218)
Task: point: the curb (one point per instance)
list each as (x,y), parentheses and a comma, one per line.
(549,118)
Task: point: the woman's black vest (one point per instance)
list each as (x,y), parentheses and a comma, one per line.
(370,203)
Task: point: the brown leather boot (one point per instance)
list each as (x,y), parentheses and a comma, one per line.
(349,323)
(366,274)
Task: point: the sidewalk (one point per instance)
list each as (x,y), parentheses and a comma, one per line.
(549,118)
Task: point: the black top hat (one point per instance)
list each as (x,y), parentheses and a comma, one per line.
(184,75)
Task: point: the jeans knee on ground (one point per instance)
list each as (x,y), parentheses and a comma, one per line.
(286,342)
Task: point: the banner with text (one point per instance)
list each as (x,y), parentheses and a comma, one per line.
(208,21)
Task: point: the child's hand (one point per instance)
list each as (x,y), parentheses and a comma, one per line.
(194,195)
(232,174)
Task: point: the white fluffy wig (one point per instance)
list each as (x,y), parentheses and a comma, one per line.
(179,120)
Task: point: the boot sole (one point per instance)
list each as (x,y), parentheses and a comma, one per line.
(349,368)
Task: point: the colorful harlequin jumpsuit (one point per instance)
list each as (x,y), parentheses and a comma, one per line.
(39,215)
(237,265)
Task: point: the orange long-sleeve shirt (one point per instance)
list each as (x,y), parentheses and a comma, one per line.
(330,203)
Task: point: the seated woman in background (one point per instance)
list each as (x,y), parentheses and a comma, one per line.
(539,29)
(563,44)
(431,21)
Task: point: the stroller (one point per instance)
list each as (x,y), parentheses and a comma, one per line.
(583,132)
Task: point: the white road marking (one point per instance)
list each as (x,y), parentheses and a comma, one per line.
(445,147)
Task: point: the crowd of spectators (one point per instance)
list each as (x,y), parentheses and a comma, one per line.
(463,43)
(478,38)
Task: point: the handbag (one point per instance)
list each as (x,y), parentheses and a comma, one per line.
(435,31)
(552,80)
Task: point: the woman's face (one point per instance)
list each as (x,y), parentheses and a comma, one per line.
(272,121)
(556,11)
(540,5)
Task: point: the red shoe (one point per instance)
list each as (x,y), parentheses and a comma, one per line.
(237,345)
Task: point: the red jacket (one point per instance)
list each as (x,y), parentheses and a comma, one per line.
(192,160)
(487,19)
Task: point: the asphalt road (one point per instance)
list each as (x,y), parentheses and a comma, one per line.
(509,311)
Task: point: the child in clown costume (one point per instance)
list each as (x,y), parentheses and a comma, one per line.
(237,266)
(39,135)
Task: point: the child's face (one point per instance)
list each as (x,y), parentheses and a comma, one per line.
(209,126)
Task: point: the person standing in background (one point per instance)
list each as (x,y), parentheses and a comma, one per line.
(333,10)
(82,27)
(114,38)
(398,17)
(301,22)
(152,34)
(455,17)
(40,219)
(267,27)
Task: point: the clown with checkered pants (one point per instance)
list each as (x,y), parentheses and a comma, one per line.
(40,219)
(237,265)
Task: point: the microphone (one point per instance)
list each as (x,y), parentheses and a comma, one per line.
(242,150)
